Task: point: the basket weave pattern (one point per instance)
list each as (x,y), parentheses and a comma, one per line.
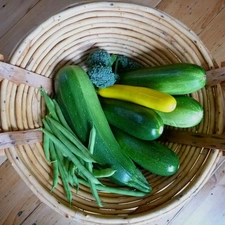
(150,37)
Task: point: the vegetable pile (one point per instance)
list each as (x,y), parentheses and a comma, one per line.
(103,122)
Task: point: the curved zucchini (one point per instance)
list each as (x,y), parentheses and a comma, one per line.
(174,79)
(151,155)
(139,121)
(188,113)
(79,102)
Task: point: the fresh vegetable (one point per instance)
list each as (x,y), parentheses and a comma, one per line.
(188,113)
(139,121)
(55,165)
(100,71)
(140,95)
(103,68)
(124,63)
(99,57)
(65,150)
(65,182)
(151,155)
(174,79)
(91,145)
(102,76)
(73,168)
(115,190)
(79,102)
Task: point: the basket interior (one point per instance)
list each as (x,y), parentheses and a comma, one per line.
(144,34)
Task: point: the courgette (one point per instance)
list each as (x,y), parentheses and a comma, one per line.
(174,79)
(139,121)
(151,155)
(79,102)
(188,113)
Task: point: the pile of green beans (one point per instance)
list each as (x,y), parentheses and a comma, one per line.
(71,160)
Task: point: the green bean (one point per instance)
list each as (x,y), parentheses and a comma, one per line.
(46,125)
(61,117)
(54,109)
(46,142)
(62,136)
(62,147)
(91,141)
(49,103)
(69,178)
(90,166)
(66,163)
(102,173)
(95,193)
(60,155)
(114,190)
(65,182)
(72,168)
(72,141)
(54,165)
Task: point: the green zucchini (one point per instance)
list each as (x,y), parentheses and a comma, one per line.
(79,102)
(174,79)
(151,155)
(139,121)
(188,113)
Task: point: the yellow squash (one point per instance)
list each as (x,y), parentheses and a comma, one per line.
(140,95)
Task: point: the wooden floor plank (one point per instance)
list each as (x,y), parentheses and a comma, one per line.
(213,37)
(11,12)
(2,159)
(30,21)
(204,206)
(44,215)
(204,18)
(37,15)
(212,206)
(16,199)
(193,13)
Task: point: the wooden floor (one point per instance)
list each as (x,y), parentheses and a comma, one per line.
(206,18)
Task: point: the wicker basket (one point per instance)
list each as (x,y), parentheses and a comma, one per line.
(145,34)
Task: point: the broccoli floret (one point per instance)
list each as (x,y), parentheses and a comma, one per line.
(125,63)
(100,72)
(102,76)
(99,57)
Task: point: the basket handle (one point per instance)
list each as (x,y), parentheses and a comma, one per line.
(22,137)
(211,141)
(13,138)
(21,76)
(215,76)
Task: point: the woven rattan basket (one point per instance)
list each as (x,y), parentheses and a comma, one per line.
(145,34)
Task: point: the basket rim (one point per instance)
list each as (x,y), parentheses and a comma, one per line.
(136,218)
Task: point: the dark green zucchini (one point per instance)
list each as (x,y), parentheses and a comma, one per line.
(174,79)
(151,155)
(80,105)
(139,121)
(188,113)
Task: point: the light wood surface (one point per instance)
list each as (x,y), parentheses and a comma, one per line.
(18,205)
